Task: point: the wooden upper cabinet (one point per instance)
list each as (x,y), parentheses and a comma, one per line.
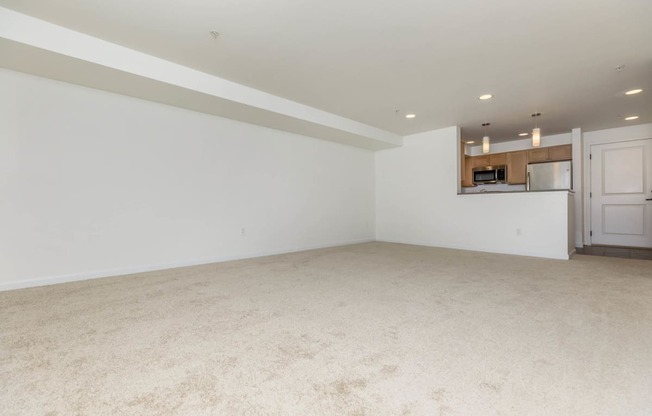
(538,155)
(466,167)
(480,161)
(516,167)
(462,162)
(497,159)
(550,154)
(516,162)
(564,152)
(468,174)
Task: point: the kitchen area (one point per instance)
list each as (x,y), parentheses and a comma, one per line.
(536,169)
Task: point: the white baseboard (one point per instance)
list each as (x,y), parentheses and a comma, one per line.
(479,249)
(52,280)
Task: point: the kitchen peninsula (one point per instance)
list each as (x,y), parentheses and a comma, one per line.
(419,201)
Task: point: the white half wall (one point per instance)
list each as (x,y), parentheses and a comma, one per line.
(417,203)
(95,184)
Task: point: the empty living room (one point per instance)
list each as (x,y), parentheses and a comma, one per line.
(325,208)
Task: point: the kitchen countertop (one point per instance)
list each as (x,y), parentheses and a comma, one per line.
(515,192)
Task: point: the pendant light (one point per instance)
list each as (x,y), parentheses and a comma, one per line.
(485,139)
(536,131)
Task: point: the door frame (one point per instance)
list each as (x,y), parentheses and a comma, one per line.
(627,134)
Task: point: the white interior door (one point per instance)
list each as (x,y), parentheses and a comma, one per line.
(621,194)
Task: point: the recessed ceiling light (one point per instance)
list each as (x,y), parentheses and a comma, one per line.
(632,92)
(470,142)
(631,118)
(523,134)
(485,96)
(410,115)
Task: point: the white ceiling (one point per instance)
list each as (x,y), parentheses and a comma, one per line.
(365,59)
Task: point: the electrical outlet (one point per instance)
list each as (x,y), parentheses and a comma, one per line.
(242,231)
(518,231)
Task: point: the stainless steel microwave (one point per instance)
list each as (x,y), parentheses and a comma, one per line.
(490,174)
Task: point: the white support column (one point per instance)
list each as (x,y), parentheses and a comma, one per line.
(578,146)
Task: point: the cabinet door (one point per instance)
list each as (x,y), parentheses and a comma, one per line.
(462,163)
(564,152)
(516,167)
(468,174)
(497,159)
(538,155)
(480,161)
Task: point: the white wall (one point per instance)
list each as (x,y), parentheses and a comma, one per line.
(635,132)
(521,144)
(81,58)
(417,203)
(95,184)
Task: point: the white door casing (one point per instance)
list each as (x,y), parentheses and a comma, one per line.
(621,193)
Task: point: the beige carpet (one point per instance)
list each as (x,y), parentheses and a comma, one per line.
(369,329)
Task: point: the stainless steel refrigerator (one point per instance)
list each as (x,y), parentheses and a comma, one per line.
(549,176)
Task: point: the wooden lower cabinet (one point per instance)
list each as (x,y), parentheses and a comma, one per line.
(516,167)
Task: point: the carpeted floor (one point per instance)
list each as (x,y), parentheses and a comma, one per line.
(368,329)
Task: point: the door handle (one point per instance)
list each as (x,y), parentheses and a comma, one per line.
(649,199)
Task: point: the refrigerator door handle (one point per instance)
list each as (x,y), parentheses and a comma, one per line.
(527,182)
